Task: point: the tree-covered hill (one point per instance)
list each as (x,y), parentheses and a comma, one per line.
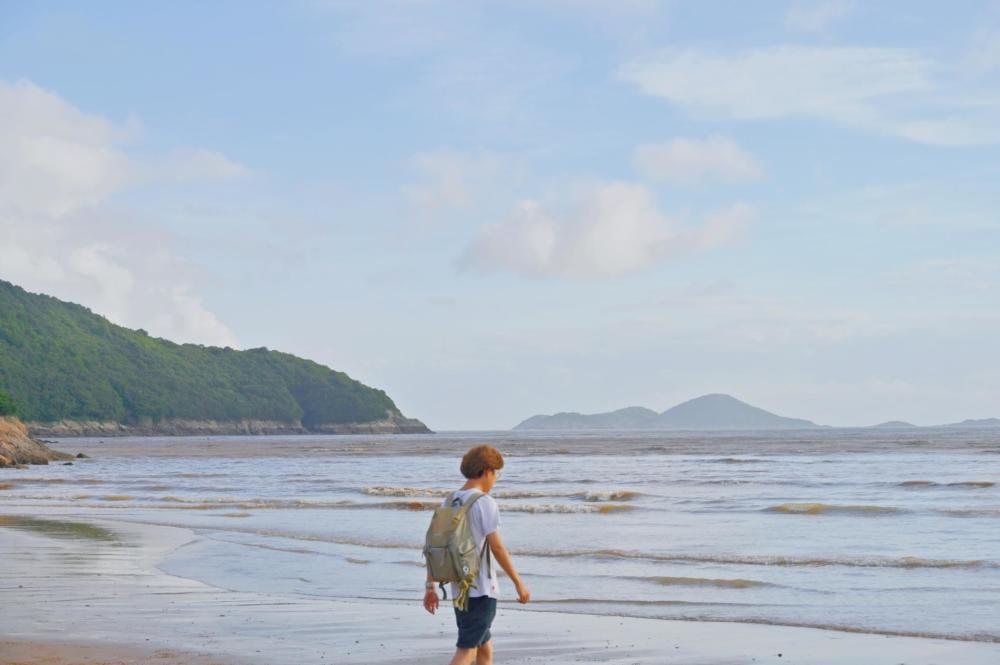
(60,361)
(6,404)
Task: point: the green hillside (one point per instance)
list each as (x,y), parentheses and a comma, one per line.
(6,404)
(61,361)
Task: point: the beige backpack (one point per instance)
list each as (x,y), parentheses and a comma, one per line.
(450,548)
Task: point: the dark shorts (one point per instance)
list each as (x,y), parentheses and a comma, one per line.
(474,624)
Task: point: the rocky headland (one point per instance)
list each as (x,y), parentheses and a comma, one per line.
(394,423)
(17,447)
(102,380)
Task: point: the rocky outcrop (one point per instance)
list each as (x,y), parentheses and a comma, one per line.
(17,447)
(93,428)
(394,423)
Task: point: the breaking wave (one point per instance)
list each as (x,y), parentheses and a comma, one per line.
(708,582)
(508,508)
(827,508)
(973,512)
(402,491)
(906,562)
(170,502)
(918,483)
(770,560)
(593,496)
(568,508)
(536,508)
(636,602)
(617,495)
(60,481)
(968,484)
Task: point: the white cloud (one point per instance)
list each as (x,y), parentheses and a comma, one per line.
(188,318)
(983,54)
(887,90)
(54,158)
(198,164)
(831,82)
(451,180)
(690,161)
(59,166)
(817,16)
(105,262)
(616,229)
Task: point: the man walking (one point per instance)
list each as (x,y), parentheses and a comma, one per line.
(481,467)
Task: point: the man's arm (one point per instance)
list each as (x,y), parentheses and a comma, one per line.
(431,599)
(503,558)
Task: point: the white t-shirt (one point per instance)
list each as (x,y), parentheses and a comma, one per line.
(484,518)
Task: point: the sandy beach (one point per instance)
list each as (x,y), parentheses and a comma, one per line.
(58,653)
(91,592)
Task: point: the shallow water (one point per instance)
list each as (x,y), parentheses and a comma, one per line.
(867,531)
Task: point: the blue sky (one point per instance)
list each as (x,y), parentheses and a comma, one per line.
(493,210)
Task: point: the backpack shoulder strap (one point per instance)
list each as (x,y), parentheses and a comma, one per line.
(473,499)
(467,506)
(487,552)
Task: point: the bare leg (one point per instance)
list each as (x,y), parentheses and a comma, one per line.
(484,655)
(463,657)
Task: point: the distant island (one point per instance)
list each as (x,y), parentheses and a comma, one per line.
(976,423)
(67,371)
(709,412)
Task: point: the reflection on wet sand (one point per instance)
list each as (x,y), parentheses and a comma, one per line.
(59,528)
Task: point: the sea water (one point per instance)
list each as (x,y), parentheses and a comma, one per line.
(894,532)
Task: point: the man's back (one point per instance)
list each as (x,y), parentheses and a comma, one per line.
(484,519)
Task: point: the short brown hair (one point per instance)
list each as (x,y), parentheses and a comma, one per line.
(479,459)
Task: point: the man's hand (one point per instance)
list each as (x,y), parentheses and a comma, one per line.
(523,595)
(431,600)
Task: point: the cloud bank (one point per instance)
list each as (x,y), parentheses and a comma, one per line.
(893,91)
(692,161)
(817,16)
(450,180)
(616,229)
(54,158)
(59,167)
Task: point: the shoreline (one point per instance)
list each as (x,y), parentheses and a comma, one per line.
(97,585)
(70,429)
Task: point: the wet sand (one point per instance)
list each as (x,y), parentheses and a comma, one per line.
(41,653)
(74,589)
